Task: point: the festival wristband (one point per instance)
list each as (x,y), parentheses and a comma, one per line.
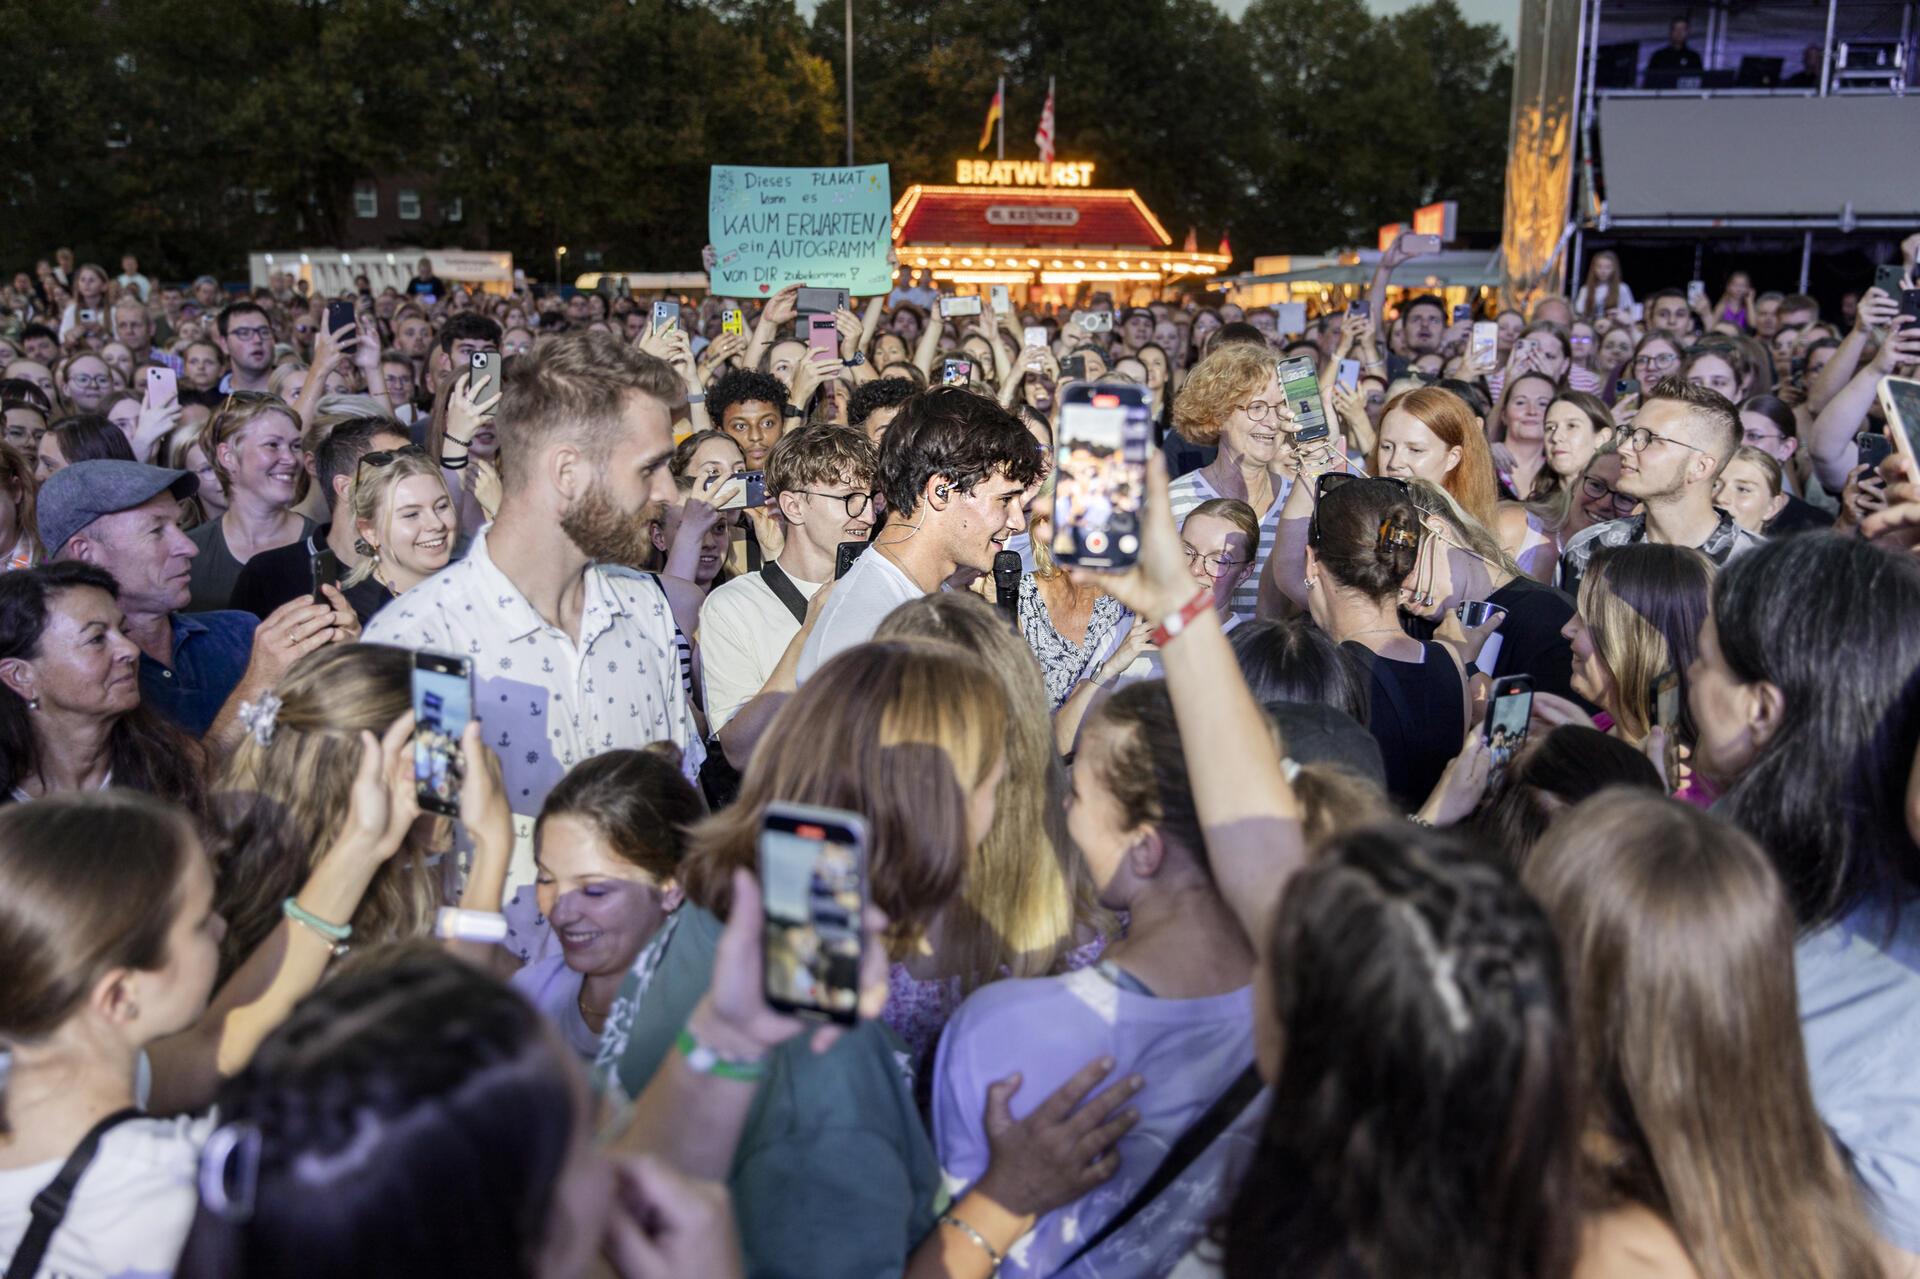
(706,1061)
(1164,633)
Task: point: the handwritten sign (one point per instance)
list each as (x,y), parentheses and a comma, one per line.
(830,228)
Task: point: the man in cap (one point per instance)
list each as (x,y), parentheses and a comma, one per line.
(195,668)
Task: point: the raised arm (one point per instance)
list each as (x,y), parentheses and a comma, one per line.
(1834,452)
(780,308)
(1876,310)
(188,1067)
(1248,812)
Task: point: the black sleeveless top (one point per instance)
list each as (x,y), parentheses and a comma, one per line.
(1417,718)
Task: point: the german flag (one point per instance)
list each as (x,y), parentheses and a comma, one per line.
(993,118)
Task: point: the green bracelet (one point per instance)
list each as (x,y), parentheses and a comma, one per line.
(706,1061)
(336,934)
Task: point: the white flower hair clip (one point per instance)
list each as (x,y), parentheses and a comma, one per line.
(260,717)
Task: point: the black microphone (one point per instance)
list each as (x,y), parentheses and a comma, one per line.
(1006,582)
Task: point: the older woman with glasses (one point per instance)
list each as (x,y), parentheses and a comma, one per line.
(1232,400)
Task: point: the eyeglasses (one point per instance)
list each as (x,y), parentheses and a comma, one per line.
(1333,480)
(1215,564)
(857,504)
(1639,437)
(1655,361)
(249,333)
(91,383)
(1258,410)
(386,457)
(1597,490)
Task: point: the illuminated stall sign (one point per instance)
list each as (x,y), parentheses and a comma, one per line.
(1024,173)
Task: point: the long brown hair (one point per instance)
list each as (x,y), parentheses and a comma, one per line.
(898,731)
(297,788)
(88,883)
(1029,893)
(1678,942)
(1644,604)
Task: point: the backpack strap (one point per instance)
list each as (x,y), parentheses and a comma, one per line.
(50,1205)
(1226,1108)
(784,590)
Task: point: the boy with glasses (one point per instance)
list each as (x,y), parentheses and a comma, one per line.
(1669,460)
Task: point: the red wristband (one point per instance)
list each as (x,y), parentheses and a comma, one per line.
(1172,626)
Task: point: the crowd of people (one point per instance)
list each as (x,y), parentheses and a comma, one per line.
(1193,918)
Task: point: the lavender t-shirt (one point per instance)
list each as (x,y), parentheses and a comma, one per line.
(1188,1050)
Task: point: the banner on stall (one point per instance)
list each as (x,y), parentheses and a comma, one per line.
(829,228)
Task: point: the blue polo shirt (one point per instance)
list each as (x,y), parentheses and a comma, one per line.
(210,653)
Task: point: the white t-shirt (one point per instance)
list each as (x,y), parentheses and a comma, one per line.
(131,1211)
(872,588)
(554,989)
(744,630)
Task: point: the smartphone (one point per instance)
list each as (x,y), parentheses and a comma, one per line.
(1874,449)
(325,566)
(1909,308)
(956,372)
(88,315)
(1349,375)
(666,315)
(1507,716)
(1473,613)
(1626,386)
(822,337)
(1094,321)
(163,385)
(1696,293)
(733,320)
(1462,312)
(442,705)
(1890,279)
(485,375)
(843,557)
(1034,335)
(820,301)
(1001,299)
(751,490)
(1900,402)
(1484,346)
(1290,317)
(339,316)
(813,885)
(1075,369)
(1360,309)
(1100,450)
(1301,385)
(959,308)
(1665,714)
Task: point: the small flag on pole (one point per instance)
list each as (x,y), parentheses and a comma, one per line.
(993,118)
(1193,241)
(1044,136)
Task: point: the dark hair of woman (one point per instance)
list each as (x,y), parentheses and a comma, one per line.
(88,437)
(1424,1121)
(1552,772)
(411,1117)
(1293,660)
(638,800)
(1368,536)
(149,753)
(1834,624)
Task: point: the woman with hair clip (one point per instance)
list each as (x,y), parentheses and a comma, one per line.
(834,1174)
(255,446)
(404,526)
(1705,1155)
(1803,704)
(1395,958)
(19,531)
(1459,562)
(71,718)
(289,782)
(1030,906)
(110,942)
(461,436)
(1362,546)
(1577,428)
